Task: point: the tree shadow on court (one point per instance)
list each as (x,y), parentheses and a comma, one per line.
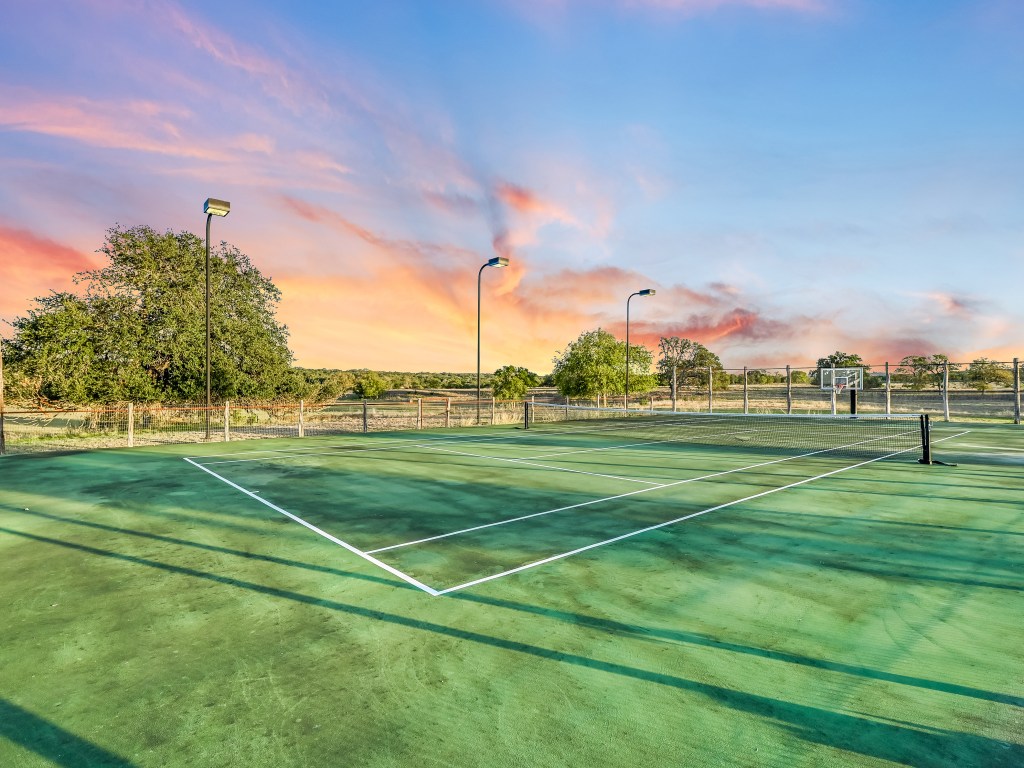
(576,619)
(907,744)
(53,743)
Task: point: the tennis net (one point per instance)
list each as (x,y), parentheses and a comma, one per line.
(858,437)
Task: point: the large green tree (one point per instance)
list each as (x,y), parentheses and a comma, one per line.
(510,382)
(685,362)
(982,374)
(922,370)
(594,365)
(137,331)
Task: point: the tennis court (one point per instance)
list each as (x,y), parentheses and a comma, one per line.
(714,589)
(455,511)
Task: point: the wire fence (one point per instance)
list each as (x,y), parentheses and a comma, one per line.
(28,431)
(945,392)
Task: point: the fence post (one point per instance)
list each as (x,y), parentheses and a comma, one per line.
(302,418)
(945,391)
(419,413)
(492,410)
(227,421)
(566,407)
(711,389)
(1017,398)
(746,399)
(3,438)
(888,391)
(789,390)
(675,386)
(447,412)
(366,425)
(131,425)
(651,400)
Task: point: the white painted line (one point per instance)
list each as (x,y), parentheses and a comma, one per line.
(329,537)
(544,466)
(635,445)
(625,495)
(672,522)
(398,444)
(990,447)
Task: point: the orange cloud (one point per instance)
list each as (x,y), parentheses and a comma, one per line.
(32,266)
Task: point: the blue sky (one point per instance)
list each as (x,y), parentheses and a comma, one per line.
(792,176)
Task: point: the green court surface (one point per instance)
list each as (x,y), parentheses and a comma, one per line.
(509,597)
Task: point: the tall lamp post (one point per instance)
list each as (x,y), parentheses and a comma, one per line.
(497,261)
(211,208)
(644,292)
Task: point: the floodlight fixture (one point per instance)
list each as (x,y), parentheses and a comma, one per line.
(215,207)
(644,292)
(212,207)
(496,261)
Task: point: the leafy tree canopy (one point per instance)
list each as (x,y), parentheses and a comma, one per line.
(370,385)
(138,330)
(685,362)
(922,370)
(595,364)
(982,374)
(510,382)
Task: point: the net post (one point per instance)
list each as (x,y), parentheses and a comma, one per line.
(302,420)
(366,423)
(832,393)
(419,413)
(746,399)
(888,391)
(1017,399)
(131,424)
(227,421)
(926,439)
(789,390)
(945,391)
(711,389)
(447,412)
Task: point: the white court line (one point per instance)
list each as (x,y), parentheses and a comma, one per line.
(623,495)
(329,537)
(672,522)
(544,466)
(633,445)
(990,447)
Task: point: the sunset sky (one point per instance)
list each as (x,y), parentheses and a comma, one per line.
(792,176)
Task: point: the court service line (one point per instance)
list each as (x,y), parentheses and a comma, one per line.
(621,496)
(366,556)
(397,445)
(543,466)
(632,445)
(672,522)
(990,447)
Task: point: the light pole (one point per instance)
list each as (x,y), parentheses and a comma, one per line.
(497,261)
(211,208)
(644,292)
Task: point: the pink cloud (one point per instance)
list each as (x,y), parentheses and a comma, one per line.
(32,266)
